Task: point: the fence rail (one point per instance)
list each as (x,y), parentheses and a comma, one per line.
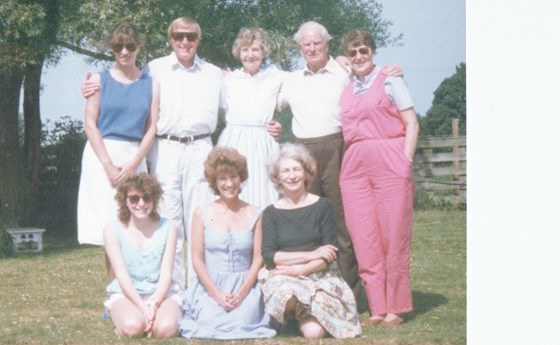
(440,167)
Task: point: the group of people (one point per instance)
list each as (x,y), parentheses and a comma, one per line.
(337,203)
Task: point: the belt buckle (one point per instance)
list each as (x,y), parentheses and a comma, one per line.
(189,138)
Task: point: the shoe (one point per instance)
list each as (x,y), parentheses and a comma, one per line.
(393,323)
(372,322)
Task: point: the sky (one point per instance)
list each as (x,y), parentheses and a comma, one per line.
(433,45)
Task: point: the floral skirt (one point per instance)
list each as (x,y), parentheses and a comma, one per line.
(323,295)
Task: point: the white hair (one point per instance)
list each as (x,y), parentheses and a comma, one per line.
(309,26)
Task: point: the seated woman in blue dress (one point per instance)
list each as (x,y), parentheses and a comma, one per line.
(302,280)
(225,301)
(141,248)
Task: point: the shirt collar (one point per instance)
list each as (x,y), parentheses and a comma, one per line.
(197,65)
(360,86)
(327,69)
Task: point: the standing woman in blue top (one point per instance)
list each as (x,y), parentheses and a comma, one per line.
(120,126)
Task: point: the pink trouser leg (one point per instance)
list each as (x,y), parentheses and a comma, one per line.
(394,207)
(377,201)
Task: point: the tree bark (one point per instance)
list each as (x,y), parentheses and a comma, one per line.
(32,138)
(13,185)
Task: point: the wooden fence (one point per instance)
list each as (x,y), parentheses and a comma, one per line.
(440,167)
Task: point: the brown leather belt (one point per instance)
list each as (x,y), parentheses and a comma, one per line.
(187,139)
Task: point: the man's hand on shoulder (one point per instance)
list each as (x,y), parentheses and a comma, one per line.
(393,70)
(89,86)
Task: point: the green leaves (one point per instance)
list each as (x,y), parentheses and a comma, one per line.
(449,102)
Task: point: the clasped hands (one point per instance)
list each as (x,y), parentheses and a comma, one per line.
(228,301)
(116,174)
(150,315)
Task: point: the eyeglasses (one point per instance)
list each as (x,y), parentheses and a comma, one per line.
(362,51)
(119,47)
(135,198)
(180,36)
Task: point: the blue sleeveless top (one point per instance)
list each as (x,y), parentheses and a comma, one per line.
(124,108)
(143,264)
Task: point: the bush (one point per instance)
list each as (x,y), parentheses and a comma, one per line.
(7,248)
(61,157)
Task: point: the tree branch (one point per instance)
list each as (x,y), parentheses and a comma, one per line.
(80,50)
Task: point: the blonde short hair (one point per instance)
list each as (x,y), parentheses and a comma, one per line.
(183,22)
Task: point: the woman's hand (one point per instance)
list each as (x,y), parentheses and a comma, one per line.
(112,172)
(149,316)
(236,299)
(326,252)
(224,300)
(288,270)
(128,169)
(274,129)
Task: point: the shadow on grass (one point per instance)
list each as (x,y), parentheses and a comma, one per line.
(425,302)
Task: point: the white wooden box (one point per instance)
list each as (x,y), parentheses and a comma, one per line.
(27,240)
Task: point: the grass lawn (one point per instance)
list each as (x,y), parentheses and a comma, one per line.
(56,297)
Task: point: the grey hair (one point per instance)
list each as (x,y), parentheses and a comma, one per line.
(298,153)
(312,25)
(247,36)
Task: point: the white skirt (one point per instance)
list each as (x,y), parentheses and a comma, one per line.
(96,197)
(258,147)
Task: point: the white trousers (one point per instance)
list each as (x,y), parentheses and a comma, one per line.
(179,167)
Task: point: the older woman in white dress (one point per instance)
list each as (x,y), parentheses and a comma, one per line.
(252,92)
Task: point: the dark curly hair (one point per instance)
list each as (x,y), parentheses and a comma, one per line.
(224,160)
(142,183)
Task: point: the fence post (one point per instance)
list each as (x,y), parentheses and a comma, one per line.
(455,133)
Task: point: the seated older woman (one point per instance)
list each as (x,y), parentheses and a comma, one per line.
(225,302)
(301,280)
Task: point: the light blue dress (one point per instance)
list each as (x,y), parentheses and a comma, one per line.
(143,264)
(228,257)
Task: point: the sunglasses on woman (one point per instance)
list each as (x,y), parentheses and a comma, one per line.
(119,47)
(180,36)
(135,198)
(362,51)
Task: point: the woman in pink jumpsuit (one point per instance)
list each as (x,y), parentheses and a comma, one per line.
(381,131)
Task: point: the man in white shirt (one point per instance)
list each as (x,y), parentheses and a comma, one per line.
(192,92)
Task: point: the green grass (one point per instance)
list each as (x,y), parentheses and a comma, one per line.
(56,297)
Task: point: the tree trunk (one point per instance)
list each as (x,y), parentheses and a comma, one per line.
(32,138)
(13,182)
